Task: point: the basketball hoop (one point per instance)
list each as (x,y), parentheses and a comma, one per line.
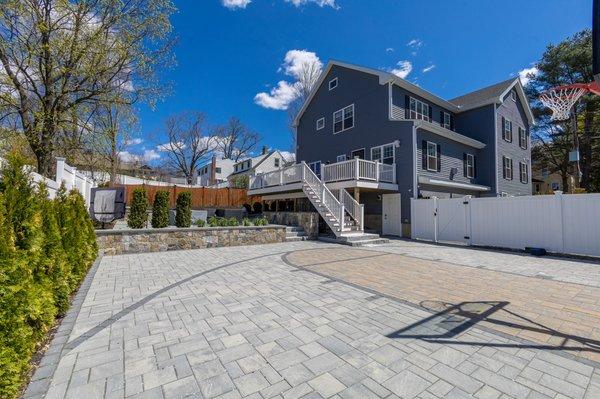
(562,98)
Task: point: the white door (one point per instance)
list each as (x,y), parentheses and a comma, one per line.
(391,223)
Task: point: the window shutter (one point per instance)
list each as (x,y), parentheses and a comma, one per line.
(510,132)
(451,122)
(474,166)
(441,118)
(503,167)
(407,106)
(465,164)
(503,124)
(430,113)
(424,154)
(511,170)
(439,158)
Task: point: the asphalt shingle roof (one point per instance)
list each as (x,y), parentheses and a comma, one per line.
(482,95)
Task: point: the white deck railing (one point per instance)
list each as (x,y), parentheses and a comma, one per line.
(354,169)
(354,209)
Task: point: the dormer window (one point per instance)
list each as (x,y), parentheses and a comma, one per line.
(333,83)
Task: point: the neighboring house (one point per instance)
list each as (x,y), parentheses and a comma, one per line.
(544,182)
(267,161)
(215,172)
(411,142)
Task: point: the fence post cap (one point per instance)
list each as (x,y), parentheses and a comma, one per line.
(61,159)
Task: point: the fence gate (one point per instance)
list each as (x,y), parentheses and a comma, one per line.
(441,220)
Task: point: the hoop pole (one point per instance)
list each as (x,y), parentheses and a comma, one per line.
(576,168)
(596,37)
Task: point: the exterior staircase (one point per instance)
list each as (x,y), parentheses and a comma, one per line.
(342,213)
(293,233)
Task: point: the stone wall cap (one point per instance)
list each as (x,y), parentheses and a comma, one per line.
(113,232)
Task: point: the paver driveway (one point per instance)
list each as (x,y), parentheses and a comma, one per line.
(246,322)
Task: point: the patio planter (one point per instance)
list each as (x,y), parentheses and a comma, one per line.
(116,242)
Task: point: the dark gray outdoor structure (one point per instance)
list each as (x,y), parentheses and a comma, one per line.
(477,144)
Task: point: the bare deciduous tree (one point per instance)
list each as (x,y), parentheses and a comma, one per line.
(307,78)
(187,145)
(234,140)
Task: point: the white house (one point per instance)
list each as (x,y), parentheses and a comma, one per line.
(215,172)
(267,161)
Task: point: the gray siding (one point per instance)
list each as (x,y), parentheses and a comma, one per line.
(479,124)
(399,100)
(451,156)
(513,111)
(372,126)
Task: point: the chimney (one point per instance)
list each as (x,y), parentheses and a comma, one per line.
(265,150)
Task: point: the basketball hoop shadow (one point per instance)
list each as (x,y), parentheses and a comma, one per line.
(450,320)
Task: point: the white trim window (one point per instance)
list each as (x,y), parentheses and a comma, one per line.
(276,162)
(522,138)
(316,168)
(470,166)
(513,95)
(333,83)
(384,154)
(506,130)
(524,172)
(507,168)
(341,158)
(320,123)
(432,157)
(343,119)
(447,121)
(419,110)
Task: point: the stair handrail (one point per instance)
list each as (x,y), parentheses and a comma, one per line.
(355,209)
(333,205)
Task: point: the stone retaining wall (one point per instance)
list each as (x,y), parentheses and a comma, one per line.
(116,242)
(309,221)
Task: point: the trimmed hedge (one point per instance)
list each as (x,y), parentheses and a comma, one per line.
(160,209)
(138,212)
(183,209)
(46,248)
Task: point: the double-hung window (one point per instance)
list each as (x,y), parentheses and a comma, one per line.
(507,168)
(446,122)
(276,163)
(522,138)
(469,166)
(320,123)
(524,172)
(341,158)
(506,130)
(343,119)
(383,154)
(432,156)
(419,110)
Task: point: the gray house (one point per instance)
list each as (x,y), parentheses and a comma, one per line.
(385,141)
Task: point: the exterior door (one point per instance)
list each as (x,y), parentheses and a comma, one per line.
(358,153)
(391,222)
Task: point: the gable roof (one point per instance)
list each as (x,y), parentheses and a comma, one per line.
(482,95)
(488,95)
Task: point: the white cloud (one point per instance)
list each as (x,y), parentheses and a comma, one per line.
(294,65)
(429,68)
(389,50)
(167,146)
(234,4)
(403,69)
(527,74)
(136,141)
(415,43)
(147,156)
(320,3)
(278,98)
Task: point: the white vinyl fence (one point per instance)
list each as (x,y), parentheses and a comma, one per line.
(559,223)
(72,178)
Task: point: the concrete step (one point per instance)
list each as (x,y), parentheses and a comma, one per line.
(356,242)
(357,236)
(294,228)
(295,239)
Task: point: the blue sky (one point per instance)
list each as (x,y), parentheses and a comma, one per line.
(227,55)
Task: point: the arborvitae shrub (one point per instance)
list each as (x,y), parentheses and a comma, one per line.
(160,209)
(46,248)
(183,216)
(138,211)
(233,222)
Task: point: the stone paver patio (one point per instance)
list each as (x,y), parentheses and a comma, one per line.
(263,322)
